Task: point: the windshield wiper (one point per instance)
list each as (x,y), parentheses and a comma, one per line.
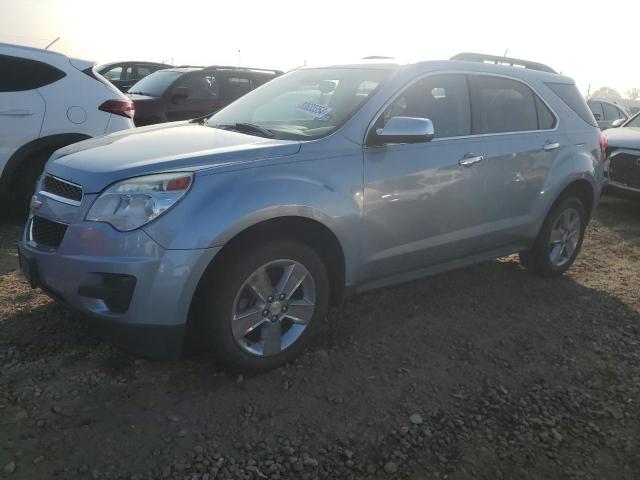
(141,93)
(246,128)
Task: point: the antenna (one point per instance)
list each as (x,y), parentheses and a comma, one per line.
(47,47)
(239,57)
(505,52)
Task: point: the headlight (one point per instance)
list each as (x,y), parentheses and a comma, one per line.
(130,204)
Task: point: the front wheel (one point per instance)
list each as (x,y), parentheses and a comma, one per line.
(559,240)
(262,307)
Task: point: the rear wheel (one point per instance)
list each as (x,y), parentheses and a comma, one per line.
(261,308)
(559,240)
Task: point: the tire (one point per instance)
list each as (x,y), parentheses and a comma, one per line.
(26,178)
(553,259)
(237,286)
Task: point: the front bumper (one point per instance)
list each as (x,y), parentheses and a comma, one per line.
(154,285)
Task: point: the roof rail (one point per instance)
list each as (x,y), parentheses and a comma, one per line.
(378,57)
(230,67)
(511,62)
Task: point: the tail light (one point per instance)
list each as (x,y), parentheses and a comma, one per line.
(124,108)
(604,143)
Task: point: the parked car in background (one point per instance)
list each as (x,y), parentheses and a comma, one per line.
(608,114)
(125,74)
(183,93)
(48,101)
(241,229)
(622,169)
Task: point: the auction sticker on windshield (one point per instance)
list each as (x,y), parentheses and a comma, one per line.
(320,112)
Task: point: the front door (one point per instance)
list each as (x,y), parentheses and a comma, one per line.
(203,96)
(424,202)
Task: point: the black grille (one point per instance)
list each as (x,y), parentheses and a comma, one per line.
(625,168)
(47,233)
(62,189)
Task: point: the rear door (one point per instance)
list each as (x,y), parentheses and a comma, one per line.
(522,142)
(21,106)
(204,96)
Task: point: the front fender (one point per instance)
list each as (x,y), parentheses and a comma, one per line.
(222,205)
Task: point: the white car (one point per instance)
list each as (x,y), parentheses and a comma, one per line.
(48,101)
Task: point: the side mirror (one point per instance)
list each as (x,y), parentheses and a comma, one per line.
(597,116)
(618,123)
(179,93)
(404,130)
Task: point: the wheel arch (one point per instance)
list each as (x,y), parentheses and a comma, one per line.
(39,145)
(310,231)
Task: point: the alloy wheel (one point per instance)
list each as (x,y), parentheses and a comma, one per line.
(273,307)
(564,237)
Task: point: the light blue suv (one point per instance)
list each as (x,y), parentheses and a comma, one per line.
(242,228)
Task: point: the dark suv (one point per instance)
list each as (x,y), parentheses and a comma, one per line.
(183,93)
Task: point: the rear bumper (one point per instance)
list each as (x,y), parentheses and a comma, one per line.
(135,293)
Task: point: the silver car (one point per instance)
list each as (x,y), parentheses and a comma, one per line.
(241,229)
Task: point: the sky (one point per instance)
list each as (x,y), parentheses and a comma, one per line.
(569,36)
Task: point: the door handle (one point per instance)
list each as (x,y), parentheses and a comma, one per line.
(16,112)
(551,146)
(470,159)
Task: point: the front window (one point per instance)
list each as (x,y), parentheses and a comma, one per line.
(634,122)
(156,84)
(304,104)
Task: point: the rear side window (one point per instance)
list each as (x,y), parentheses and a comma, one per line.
(546,120)
(501,105)
(570,95)
(19,74)
(444,99)
(596,109)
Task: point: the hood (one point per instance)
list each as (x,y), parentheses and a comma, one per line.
(623,137)
(179,146)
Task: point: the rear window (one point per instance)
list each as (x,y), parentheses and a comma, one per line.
(20,74)
(570,95)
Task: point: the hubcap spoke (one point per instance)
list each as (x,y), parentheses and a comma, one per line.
(260,284)
(556,253)
(271,338)
(556,237)
(291,279)
(300,311)
(247,321)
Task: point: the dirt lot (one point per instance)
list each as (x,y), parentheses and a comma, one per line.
(487,372)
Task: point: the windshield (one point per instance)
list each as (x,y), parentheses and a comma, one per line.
(634,122)
(155,84)
(304,104)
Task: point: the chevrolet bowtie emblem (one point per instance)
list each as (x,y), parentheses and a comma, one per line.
(35,203)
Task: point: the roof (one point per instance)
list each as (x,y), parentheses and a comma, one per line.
(31,49)
(143,62)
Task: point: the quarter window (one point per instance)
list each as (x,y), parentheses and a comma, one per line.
(501,105)
(20,74)
(444,99)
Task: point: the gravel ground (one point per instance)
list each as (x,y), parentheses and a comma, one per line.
(487,372)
